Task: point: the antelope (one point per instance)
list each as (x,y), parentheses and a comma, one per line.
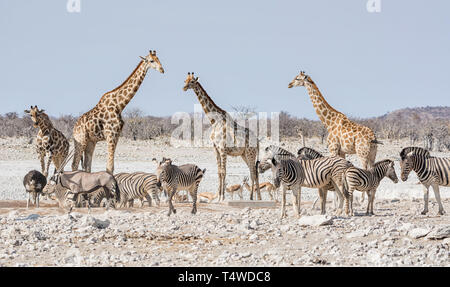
(265,186)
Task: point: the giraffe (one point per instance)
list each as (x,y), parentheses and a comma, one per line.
(344,136)
(228,137)
(104,121)
(49,141)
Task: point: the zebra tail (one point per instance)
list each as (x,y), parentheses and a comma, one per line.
(376,141)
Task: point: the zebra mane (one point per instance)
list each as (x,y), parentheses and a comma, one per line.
(309,152)
(381,162)
(415,150)
(278,151)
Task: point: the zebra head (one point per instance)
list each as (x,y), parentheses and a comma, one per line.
(390,172)
(160,169)
(406,166)
(300,80)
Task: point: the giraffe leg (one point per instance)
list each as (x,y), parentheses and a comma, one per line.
(42,159)
(111,139)
(219,165)
(79,148)
(88,153)
(250,160)
(50,158)
(223,173)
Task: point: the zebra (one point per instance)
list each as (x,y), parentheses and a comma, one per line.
(173,178)
(431,171)
(366,181)
(306,153)
(137,185)
(289,174)
(325,166)
(415,150)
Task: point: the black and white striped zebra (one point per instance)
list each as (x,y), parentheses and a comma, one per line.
(173,178)
(306,153)
(431,171)
(414,150)
(335,166)
(366,181)
(137,185)
(289,174)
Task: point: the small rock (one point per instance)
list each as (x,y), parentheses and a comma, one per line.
(315,220)
(354,234)
(418,232)
(97,223)
(439,233)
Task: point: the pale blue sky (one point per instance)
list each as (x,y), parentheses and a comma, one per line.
(245,53)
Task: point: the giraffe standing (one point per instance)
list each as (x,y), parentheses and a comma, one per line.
(344,136)
(104,121)
(228,138)
(49,141)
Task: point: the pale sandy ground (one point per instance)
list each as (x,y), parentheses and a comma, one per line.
(218,235)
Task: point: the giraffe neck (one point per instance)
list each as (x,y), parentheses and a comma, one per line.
(44,124)
(327,114)
(122,95)
(209,107)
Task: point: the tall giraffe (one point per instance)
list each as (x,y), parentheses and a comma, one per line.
(228,138)
(49,141)
(104,121)
(344,136)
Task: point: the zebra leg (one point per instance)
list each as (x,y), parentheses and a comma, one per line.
(373,192)
(193,193)
(323,200)
(438,199)
(171,208)
(425,199)
(297,200)
(314,203)
(283,203)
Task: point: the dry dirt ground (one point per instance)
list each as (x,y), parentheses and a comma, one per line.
(218,235)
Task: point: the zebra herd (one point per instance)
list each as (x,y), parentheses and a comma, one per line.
(308,169)
(311,169)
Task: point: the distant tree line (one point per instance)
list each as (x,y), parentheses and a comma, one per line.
(431,133)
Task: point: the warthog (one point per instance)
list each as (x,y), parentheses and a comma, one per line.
(83,183)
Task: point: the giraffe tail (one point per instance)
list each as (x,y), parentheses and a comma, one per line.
(376,141)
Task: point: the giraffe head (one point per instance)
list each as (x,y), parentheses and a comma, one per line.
(300,80)
(152,61)
(190,81)
(36,115)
